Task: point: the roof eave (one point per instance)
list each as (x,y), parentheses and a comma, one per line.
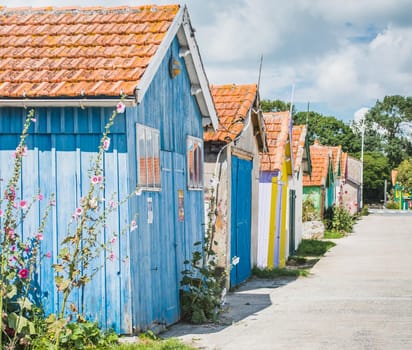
(65,102)
(181,27)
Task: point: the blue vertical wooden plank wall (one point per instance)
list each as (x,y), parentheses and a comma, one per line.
(164,244)
(60,144)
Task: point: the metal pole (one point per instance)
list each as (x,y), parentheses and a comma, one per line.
(384,194)
(361,177)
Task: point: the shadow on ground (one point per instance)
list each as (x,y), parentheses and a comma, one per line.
(247,300)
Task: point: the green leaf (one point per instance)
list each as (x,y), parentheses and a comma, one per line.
(12,292)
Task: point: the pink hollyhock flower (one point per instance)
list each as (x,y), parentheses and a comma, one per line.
(23,273)
(112,256)
(48,255)
(112,204)
(52,203)
(106,144)
(10,233)
(120,107)
(33,120)
(78,211)
(40,197)
(39,236)
(1,213)
(23,204)
(113,240)
(133,225)
(26,248)
(96,179)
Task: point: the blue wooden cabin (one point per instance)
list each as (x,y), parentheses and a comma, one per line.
(72,66)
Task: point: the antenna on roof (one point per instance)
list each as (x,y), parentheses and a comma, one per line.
(260,70)
(307,116)
(291,101)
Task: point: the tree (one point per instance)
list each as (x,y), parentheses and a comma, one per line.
(376,169)
(388,128)
(404,176)
(275,106)
(329,131)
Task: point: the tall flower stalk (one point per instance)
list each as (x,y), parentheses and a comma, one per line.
(83,243)
(18,258)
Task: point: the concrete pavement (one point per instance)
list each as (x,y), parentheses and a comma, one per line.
(359,296)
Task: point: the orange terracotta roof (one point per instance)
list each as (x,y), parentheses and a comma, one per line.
(93,51)
(336,157)
(233,103)
(320,157)
(344,165)
(277,135)
(298,145)
(394,174)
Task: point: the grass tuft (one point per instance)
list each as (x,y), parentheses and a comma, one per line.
(279,272)
(333,235)
(312,247)
(146,343)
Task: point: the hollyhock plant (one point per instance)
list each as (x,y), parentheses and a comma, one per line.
(23,273)
(23,204)
(120,107)
(133,225)
(106,144)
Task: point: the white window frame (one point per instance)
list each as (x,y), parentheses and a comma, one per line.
(150,137)
(195,182)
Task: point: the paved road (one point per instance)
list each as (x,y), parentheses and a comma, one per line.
(359,296)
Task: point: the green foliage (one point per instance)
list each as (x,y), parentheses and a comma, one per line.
(404,177)
(278,272)
(375,170)
(275,106)
(329,131)
(392,205)
(80,335)
(341,221)
(309,211)
(385,130)
(332,235)
(153,344)
(312,247)
(203,282)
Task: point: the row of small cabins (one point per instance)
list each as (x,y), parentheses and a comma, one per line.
(177,133)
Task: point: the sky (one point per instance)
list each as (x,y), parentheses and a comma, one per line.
(341,56)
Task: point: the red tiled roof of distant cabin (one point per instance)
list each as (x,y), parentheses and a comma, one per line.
(344,165)
(336,157)
(233,103)
(277,134)
(298,144)
(91,51)
(319,156)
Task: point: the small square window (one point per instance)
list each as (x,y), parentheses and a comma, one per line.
(194,163)
(148,157)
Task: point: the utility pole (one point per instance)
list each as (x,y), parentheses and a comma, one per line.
(384,194)
(362,146)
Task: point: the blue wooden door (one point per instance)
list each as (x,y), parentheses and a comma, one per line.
(241,219)
(165,272)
